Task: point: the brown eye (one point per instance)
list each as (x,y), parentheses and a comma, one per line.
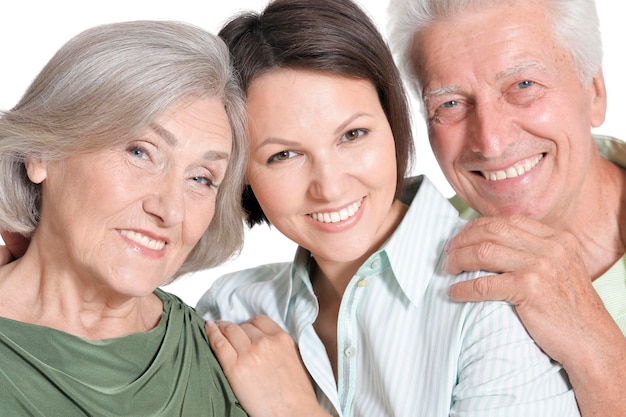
(353,135)
(281,156)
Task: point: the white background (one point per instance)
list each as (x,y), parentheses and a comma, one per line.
(31,31)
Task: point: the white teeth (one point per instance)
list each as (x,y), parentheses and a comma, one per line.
(143,240)
(337,216)
(514,171)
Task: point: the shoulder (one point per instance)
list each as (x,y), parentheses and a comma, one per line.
(262,278)
(501,367)
(237,296)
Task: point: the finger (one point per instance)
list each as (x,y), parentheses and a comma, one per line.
(487,256)
(518,222)
(265,324)
(235,334)
(486,288)
(222,348)
(512,231)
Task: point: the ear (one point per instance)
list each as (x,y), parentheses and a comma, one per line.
(597,91)
(36,169)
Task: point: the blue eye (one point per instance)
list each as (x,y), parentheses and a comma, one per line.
(450,103)
(525,84)
(205,181)
(138,151)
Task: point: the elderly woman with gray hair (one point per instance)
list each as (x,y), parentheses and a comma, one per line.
(123,164)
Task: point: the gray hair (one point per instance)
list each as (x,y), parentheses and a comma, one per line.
(576,28)
(105,87)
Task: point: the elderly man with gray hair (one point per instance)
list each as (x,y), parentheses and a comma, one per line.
(510,91)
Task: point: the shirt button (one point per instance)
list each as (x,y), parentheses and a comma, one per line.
(350,352)
(361,283)
(375,263)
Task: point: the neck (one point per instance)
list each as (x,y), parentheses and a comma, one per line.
(33,292)
(599,220)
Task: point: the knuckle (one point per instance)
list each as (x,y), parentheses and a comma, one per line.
(497,227)
(482,286)
(228,328)
(485,251)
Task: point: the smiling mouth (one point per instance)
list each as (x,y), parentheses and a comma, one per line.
(338,216)
(143,240)
(513,171)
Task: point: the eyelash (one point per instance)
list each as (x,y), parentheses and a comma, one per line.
(360,132)
(206,181)
(276,157)
(135,149)
(288,154)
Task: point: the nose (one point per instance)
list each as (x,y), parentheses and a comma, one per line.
(166,201)
(327,177)
(492,129)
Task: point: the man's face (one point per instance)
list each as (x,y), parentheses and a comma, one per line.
(508,117)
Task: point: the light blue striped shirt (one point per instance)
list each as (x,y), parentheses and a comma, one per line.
(404,348)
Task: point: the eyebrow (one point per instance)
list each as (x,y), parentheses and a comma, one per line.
(165,134)
(290,143)
(171,140)
(276,141)
(449,89)
(519,68)
(349,120)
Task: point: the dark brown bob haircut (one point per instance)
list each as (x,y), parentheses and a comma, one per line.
(334,36)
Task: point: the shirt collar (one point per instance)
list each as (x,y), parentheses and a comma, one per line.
(426,227)
(428,223)
(612,149)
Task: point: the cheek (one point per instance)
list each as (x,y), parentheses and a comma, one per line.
(269,197)
(197,221)
(280,193)
(442,147)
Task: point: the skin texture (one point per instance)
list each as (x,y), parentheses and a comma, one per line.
(83,272)
(502,96)
(319,143)
(307,133)
(260,349)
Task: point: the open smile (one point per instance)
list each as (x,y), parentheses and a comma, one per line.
(143,240)
(338,216)
(513,171)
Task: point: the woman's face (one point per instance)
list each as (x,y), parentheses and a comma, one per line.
(124,219)
(322,161)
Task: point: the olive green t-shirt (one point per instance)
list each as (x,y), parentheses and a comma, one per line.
(167,371)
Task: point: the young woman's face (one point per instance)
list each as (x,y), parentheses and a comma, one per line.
(127,217)
(322,161)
